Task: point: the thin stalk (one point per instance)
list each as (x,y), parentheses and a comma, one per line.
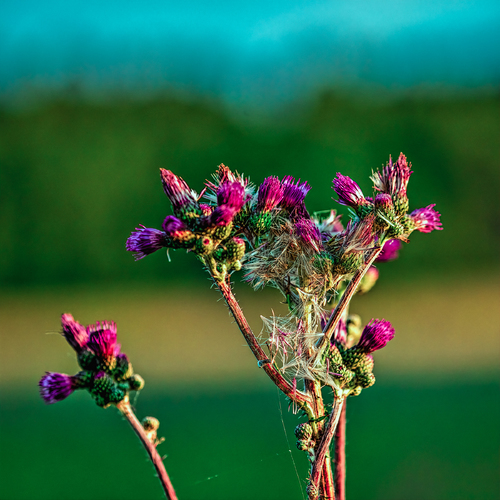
(324,446)
(344,302)
(126,410)
(340,455)
(286,387)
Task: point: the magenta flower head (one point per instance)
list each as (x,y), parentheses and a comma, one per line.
(294,194)
(426,219)
(270,194)
(230,199)
(383,202)
(178,192)
(394,177)
(74,333)
(55,387)
(102,339)
(309,233)
(172,226)
(349,192)
(376,335)
(144,241)
(389,251)
(340,333)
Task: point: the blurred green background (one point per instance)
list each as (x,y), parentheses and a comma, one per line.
(79,173)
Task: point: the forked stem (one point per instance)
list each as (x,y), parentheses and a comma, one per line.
(265,363)
(126,410)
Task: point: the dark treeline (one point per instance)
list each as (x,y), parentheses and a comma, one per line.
(77,177)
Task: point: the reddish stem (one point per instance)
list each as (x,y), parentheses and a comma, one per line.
(263,359)
(340,455)
(126,410)
(324,445)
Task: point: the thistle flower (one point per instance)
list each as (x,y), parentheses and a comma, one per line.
(294,194)
(426,219)
(376,334)
(55,387)
(230,199)
(172,225)
(394,177)
(309,234)
(102,339)
(349,192)
(178,192)
(270,194)
(389,251)
(340,333)
(74,333)
(144,241)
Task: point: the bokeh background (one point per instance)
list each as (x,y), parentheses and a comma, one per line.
(96,96)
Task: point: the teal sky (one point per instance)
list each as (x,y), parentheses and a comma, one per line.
(259,51)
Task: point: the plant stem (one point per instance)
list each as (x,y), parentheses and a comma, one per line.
(324,445)
(126,410)
(340,455)
(344,302)
(295,395)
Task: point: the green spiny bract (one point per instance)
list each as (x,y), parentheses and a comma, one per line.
(334,355)
(401,204)
(182,239)
(222,232)
(305,444)
(87,360)
(365,379)
(235,249)
(303,431)
(83,379)
(346,263)
(107,363)
(103,388)
(260,223)
(204,245)
(123,369)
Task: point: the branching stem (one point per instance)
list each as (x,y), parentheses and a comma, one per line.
(127,412)
(286,387)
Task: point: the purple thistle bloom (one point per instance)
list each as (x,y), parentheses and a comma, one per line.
(232,194)
(383,201)
(294,194)
(348,191)
(74,333)
(270,194)
(55,387)
(178,192)
(172,225)
(389,251)
(358,236)
(309,233)
(376,335)
(426,219)
(394,177)
(340,333)
(230,198)
(102,339)
(144,241)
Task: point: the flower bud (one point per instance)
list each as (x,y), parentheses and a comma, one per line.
(303,431)
(136,382)
(150,423)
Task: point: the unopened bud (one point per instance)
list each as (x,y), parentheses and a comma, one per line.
(303,431)
(368,281)
(136,382)
(150,423)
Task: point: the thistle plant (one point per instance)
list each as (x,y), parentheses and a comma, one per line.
(108,376)
(316,353)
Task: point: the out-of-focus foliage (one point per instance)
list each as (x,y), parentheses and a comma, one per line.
(77,177)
